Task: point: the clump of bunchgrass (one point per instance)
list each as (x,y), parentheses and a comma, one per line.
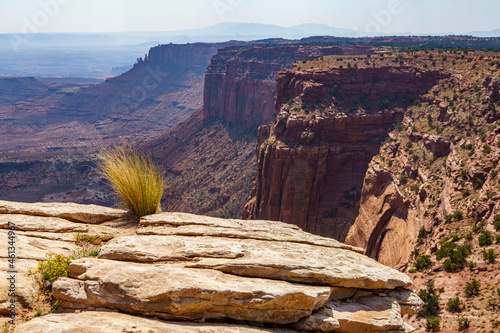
(134,178)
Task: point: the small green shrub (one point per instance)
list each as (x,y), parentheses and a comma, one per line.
(486,148)
(478,227)
(472,288)
(478,184)
(451,266)
(463,323)
(472,265)
(458,215)
(456,255)
(134,178)
(489,256)
(56,266)
(423,262)
(485,238)
(403,179)
(496,222)
(469,236)
(454,305)
(432,323)
(430,297)
(422,233)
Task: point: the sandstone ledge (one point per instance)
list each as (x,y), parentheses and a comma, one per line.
(69,211)
(113,322)
(194,268)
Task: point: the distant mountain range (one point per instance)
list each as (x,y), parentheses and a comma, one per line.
(101,55)
(217,33)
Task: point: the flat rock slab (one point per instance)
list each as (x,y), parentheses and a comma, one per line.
(298,262)
(40,223)
(69,211)
(359,315)
(173,292)
(34,248)
(113,322)
(195,225)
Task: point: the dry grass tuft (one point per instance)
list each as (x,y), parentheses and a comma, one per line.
(134,178)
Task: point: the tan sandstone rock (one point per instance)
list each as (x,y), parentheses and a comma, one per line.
(359,315)
(254,258)
(385,226)
(113,322)
(40,223)
(174,292)
(69,211)
(195,225)
(26,287)
(34,248)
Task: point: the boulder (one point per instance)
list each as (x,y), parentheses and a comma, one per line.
(359,315)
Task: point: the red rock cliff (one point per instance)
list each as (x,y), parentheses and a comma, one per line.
(240,83)
(330,123)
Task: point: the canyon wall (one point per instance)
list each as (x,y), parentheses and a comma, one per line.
(312,160)
(240,81)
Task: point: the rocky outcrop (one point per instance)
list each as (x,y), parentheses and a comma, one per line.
(312,164)
(179,267)
(385,226)
(240,81)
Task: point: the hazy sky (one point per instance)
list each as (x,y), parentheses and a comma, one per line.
(391,16)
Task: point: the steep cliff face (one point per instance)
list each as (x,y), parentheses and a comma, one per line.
(240,81)
(330,124)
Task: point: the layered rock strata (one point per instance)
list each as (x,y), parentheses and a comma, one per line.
(240,81)
(330,123)
(194,269)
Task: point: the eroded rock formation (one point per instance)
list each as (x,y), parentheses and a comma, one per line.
(240,81)
(312,160)
(183,267)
